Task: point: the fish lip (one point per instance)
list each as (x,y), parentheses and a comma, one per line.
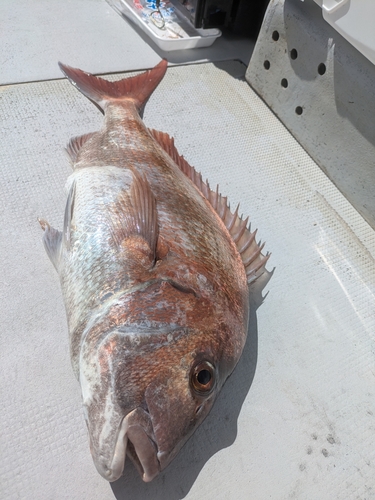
(115,470)
(146,472)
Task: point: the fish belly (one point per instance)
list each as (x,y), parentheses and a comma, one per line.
(91,269)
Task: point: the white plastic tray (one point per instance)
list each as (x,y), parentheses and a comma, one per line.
(176,35)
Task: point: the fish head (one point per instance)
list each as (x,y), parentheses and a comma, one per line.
(148,385)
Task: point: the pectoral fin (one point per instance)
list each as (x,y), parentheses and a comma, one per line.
(138,230)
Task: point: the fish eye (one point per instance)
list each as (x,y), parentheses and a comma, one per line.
(202,378)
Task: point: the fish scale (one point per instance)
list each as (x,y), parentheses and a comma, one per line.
(85,279)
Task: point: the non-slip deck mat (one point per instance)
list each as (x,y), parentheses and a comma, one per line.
(297,417)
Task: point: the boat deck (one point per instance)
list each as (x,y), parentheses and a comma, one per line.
(297,417)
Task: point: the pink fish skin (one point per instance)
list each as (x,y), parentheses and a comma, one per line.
(155,272)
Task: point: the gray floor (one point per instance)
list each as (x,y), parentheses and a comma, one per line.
(87,34)
(296,419)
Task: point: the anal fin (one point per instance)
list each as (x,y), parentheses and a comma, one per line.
(75,145)
(251,251)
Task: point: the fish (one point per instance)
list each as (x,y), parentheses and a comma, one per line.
(156,272)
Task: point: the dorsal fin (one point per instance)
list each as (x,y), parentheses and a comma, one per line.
(75,144)
(251,251)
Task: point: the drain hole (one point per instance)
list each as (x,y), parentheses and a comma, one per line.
(299,110)
(275,36)
(267,64)
(293,54)
(284,83)
(321,69)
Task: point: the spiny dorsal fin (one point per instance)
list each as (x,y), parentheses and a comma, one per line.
(251,251)
(137,88)
(75,144)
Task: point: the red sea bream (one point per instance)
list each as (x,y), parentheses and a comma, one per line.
(155,272)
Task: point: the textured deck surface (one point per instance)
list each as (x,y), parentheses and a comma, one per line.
(304,424)
(296,419)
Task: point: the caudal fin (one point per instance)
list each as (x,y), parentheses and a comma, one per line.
(137,88)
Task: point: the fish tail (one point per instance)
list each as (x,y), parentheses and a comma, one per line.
(137,88)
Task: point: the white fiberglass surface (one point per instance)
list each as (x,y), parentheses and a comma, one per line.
(296,419)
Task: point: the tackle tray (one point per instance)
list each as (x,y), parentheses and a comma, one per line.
(166,26)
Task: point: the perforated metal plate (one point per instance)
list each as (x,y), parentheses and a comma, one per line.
(323,90)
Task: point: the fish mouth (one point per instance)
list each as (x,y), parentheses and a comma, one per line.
(133,441)
(143,452)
